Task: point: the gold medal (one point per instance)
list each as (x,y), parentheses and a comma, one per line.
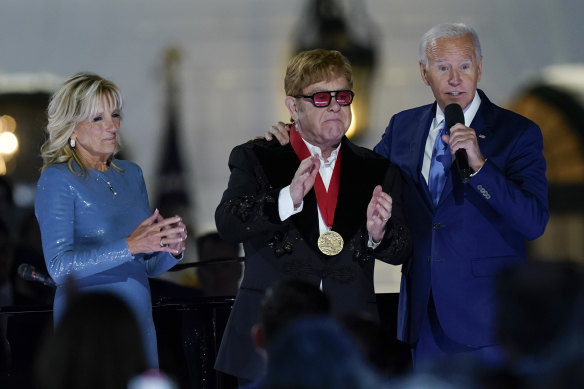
(330,243)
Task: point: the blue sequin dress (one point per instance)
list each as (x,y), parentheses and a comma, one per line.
(84,223)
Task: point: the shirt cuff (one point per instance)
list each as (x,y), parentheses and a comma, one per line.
(286,205)
(371,244)
(474,173)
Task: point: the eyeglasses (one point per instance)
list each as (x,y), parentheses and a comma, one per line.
(323,99)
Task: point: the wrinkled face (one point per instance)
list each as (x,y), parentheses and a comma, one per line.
(325,126)
(453,71)
(96,137)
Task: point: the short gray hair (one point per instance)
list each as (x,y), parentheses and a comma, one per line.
(447,30)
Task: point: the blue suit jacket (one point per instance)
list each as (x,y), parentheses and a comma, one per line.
(476,229)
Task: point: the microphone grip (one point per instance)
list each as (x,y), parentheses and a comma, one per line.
(462,165)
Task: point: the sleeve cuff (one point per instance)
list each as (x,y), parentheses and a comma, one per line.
(371,244)
(475,173)
(286,205)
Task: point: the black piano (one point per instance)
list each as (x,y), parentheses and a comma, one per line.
(189,332)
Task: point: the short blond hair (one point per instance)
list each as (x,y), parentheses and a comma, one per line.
(312,66)
(78,99)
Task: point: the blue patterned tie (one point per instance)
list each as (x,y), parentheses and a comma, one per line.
(439,167)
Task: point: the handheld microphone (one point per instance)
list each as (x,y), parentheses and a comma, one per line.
(29,273)
(453,114)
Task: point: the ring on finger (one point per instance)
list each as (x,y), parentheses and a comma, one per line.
(161,244)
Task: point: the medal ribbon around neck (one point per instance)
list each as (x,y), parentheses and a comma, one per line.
(326,200)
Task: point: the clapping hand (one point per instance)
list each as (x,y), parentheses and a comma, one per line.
(304,178)
(378,213)
(158,234)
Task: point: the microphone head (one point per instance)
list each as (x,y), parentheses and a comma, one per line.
(25,271)
(29,273)
(453,114)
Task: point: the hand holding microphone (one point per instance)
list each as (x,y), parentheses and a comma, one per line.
(452,115)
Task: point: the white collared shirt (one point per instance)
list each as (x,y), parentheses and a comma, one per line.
(469,114)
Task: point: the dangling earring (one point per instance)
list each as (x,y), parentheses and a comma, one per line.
(72,143)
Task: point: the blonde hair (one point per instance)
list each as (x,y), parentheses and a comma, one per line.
(78,99)
(312,66)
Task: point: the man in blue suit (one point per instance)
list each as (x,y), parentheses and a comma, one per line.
(473,229)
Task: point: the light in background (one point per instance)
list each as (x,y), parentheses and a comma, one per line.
(326,24)
(8,141)
(23,102)
(555,101)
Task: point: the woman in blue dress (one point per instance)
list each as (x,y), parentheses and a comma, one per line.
(98,231)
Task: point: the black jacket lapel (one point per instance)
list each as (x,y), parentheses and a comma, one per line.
(280,165)
(358,179)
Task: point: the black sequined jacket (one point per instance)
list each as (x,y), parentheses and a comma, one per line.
(276,249)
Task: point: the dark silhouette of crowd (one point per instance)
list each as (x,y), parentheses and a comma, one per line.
(96,344)
(540,325)
(305,347)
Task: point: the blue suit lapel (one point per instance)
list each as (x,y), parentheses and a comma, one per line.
(482,120)
(421,128)
(418,146)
